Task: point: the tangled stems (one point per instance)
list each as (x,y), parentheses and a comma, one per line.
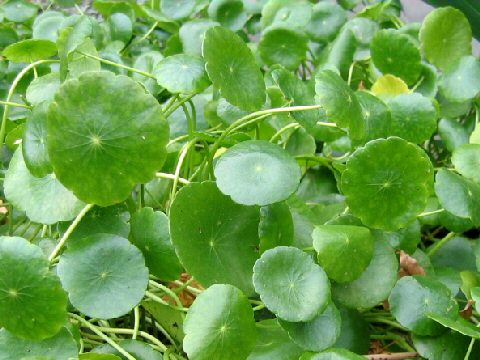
(439,244)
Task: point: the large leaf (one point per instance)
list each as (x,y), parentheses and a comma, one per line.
(102,154)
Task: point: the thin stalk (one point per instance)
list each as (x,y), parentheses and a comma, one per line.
(469,350)
(143,334)
(259,307)
(105,61)
(177,105)
(35,233)
(172,177)
(428,213)
(14,104)
(387,322)
(169,103)
(280,132)
(136,324)
(439,244)
(69,231)
(181,158)
(167,291)
(11,91)
(104,337)
(158,299)
(149,32)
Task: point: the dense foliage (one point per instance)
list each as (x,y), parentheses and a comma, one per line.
(232,180)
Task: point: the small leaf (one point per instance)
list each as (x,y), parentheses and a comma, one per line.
(375,283)
(34,142)
(460,82)
(190,76)
(220,325)
(458,195)
(284,46)
(346,242)
(317,334)
(61,346)
(273,343)
(43,89)
(414,299)
(30,50)
(389,85)
(33,305)
(228,13)
(414,117)
(391,191)
(257,173)
(150,233)
(466,159)
(177,9)
(215,238)
(105,276)
(339,102)
(120,27)
(45,200)
(19,11)
(232,68)
(193,32)
(327,19)
(290,284)
(395,53)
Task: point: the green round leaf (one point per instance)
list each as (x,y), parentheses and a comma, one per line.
(257,173)
(290,284)
(102,154)
(34,143)
(283,45)
(458,195)
(228,13)
(220,325)
(44,200)
(232,68)
(317,334)
(445,37)
(105,276)
(414,117)
(466,159)
(192,34)
(414,298)
(293,14)
(363,29)
(150,233)
(46,25)
(391,190)
(33,304)
(215,238)
(43,88)
(120,27)
(139,350)
(346,242)
(177,9)
(460,82)
(276,226)
(388,85)
(30,50)
(62,346)
(375,283)
(273,343)
(326,21)
(190,76)
(339,102)
(19,11)
(448,346)
(397,54)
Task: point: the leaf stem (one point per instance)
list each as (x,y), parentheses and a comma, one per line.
(182,156)
(172,177)
(136,324)
(105,61)
(11,91)
(69,231)
(175,106)
(158,299)
(428,213)
(14,104)
(143,334)
(149,32)
(167,291)
(439,244)
(280,132)
(98,332)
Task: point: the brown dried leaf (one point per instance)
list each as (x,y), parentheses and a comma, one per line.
(409,265)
